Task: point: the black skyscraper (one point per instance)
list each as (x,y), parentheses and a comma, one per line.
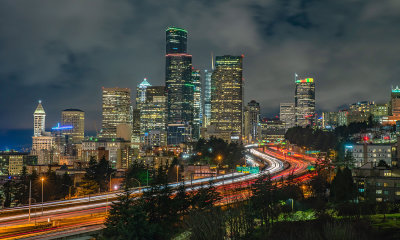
(176,40)
(178,77)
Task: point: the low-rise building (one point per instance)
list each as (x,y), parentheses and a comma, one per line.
(11,163)
(370,153)
(377,183)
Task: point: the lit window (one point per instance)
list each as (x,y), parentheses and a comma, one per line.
(378,192)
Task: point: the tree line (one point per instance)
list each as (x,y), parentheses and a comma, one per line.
(271,210)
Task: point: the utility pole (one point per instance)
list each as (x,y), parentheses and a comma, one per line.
(30,195)
(42,194)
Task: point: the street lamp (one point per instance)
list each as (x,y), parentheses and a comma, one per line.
(30,195)
(177,173)
(42,179)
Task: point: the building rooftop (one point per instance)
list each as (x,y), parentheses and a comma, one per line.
(72,110)
(39,108)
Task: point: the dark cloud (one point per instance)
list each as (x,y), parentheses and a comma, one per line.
(63,52)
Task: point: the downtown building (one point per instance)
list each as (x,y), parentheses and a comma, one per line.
(305,101)
(394,108)
(116,110)
(178,80)
(251,126)
(197,104)
(43,144)
(153,115)
(75,118)
(287,114)
(227,98)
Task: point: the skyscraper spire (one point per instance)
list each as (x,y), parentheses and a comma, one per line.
(212,61)
(39,119)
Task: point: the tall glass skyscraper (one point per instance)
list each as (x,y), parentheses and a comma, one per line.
(305,101)
(116,110)
(178,77)
(227,97)
(207,98)
(197,106)
(76,119)
(176,40)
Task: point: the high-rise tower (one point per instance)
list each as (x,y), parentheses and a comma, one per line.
(254,119)
(39,120)
(305,101)
(178,77)
(141,92)
(116,110)
(76,119)
(197,105)
(227,97)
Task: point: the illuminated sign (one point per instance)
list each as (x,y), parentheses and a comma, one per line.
(305,80)
(247,169)
(59,128)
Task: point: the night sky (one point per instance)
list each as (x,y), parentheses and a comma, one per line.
(63,52)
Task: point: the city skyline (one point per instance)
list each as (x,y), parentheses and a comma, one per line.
(309,39)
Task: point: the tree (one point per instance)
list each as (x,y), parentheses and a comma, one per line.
(99,172)
(343,188)
(128,219)
(205,197)
(22,187)
(87,187)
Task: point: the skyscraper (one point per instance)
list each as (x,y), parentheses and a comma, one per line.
(197,105)
(39,120)
(287,114)
(116,110)
(207,98)
(141,92)
(176,40)
(254,119)
(227,97)
(76,119)
(178,77)
(153,116)
(305,101)
(42,142)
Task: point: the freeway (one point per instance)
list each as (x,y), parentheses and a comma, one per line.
(277,165)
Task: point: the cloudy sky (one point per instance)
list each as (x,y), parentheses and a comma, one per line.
(63,52)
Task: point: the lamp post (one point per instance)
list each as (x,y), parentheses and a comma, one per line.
(42,179)
(177,173)
(109,189)
(219,159)
(30,195)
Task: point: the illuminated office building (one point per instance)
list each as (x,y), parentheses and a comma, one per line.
(378,111)
(197,105)
(394,108)
(76,119)
(141,92)
(178,77)
(39,120)
(176,40)
(305,101)
(287,114)
(227,98)
(207,98)
(11,163)
(153,114)
(252,120)
(135,140)
(116,110)
(329,120)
